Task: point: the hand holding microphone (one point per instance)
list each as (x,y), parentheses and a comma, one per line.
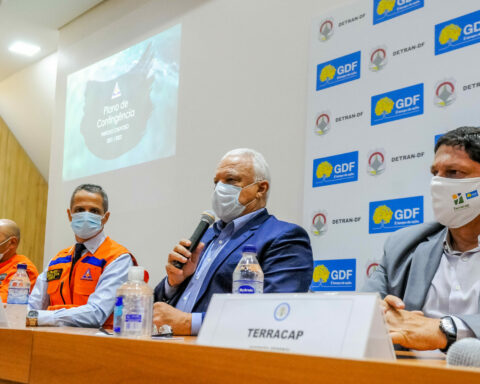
(183,259)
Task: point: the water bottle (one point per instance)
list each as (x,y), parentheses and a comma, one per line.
(19,286)
(248,275)
(132,315)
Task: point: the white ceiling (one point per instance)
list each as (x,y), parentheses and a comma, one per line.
(36,22)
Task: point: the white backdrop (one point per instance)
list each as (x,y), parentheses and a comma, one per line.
(385,78)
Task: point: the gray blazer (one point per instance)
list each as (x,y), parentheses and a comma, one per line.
(410,259)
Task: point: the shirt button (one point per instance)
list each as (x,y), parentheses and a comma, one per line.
(465,258)
(220,241)
(457,287)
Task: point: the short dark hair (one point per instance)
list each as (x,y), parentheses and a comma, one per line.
(92,188)
(466,138)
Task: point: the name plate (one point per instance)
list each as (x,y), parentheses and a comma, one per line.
(334,325)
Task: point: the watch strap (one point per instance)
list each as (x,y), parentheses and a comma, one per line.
(448,327)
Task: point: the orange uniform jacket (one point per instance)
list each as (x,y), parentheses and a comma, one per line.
(8,269)
(69,288)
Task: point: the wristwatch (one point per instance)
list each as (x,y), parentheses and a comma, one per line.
(32,318)
(448,327)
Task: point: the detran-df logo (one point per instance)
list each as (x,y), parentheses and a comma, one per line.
(445,93)
(322,123)
(398,104)
(384,10)
(319,224)
(325,30)
(390,215)
(457,33)
(338,71)
(335,169)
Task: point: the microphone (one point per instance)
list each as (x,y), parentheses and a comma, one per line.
(207,219)
(465,352)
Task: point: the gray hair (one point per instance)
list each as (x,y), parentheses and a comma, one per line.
(92,188)
(260,165)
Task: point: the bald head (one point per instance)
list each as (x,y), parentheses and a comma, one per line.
(9,228)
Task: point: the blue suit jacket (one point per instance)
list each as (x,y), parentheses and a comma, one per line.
(283,251)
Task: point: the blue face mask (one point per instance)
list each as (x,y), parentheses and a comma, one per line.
(225,201)
(86,224)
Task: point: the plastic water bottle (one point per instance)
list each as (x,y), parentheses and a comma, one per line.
(19,286)
(248,275)
(132,315)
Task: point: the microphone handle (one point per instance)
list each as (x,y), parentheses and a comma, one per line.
(195,239)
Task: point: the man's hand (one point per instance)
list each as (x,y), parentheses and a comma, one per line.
(181,322)
(411,329)
(180,253)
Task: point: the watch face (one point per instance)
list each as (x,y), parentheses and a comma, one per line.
(32,313)
(448,325)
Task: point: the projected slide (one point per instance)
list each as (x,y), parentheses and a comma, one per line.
(122,110)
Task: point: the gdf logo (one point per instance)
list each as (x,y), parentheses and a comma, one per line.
(334,275)
(338,71)
(378,58)
(399,104)
(325,31)
(335,169)
(390,215)
(445,93)
(376,162)
(457,33)
(384,10)
(322,123)
(319,226)
(329,71)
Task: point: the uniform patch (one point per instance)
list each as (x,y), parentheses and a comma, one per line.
(54,274)
(87,275)
(2,277)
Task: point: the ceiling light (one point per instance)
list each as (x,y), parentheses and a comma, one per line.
(24,48)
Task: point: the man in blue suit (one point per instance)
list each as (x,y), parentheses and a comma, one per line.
(242,182)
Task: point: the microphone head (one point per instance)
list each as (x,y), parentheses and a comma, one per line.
(465,352)
(208,216)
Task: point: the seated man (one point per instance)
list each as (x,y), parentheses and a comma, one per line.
(242,183)
(9,240)
(429,276)
(79,286)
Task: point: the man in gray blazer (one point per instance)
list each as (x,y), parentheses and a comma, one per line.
(429,277)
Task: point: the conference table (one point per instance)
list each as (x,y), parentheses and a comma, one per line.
(73,355)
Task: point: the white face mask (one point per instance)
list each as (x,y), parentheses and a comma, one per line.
(225,201)
(3,254)
(455,202)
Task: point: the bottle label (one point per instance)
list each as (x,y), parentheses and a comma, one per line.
(133,322)
(246,289)
(17,295)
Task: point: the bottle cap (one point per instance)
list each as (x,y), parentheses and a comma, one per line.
(249,248)
(136,273)
(21,266)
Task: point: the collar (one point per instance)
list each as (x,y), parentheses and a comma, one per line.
(235,225)
(447,246)
(94,243)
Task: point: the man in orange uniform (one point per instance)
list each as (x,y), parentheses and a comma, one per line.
(79,285)
(9,240)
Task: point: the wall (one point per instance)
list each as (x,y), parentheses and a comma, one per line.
(24,195)
(27,104)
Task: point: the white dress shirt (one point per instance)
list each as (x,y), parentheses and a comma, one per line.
(455,288)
